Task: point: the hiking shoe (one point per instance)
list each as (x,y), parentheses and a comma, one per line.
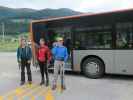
(47,83)
(54,87)
(42,82)
(22,83)
(63,87)
(30,82)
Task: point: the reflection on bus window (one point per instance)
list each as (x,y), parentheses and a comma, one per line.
(124,36)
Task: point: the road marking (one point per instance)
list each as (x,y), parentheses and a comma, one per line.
(20,90)
(49,95)
(10,98)
(59,88)
(27,91)
(32,98)
(32,91)
(1,97)
(17,91)
(11,92)
(43,90)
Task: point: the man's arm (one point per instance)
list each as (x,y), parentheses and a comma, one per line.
(18,55)
(54,51)
(30,53)
(49,56)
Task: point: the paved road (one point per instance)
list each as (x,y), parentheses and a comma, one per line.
(111,87)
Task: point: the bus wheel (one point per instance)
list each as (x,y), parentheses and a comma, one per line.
(93,68)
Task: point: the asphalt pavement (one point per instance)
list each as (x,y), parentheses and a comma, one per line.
(110,87)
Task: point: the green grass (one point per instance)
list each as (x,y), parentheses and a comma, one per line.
(6,46)
(10,44)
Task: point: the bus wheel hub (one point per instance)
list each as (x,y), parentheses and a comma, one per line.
(92,67)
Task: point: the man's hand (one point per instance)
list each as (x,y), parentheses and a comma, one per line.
(29,61)
(19,60)
(48,63)
(19,65)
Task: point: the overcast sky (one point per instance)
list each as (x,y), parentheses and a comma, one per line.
(78,5)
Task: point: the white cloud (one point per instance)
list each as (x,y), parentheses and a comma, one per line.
(104,5)
(79,5)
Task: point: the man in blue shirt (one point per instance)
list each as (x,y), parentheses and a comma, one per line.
(60,55)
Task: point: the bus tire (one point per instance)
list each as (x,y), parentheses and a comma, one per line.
(93,68)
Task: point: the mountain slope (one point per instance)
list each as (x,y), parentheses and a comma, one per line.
(34,14)
(17,20)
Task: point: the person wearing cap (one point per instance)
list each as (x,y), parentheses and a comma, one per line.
(60,54)
(24,56)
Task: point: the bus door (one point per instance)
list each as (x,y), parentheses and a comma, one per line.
(52,35)
(124,46)
(68,44)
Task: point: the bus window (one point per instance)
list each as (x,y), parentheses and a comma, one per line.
(97,40)
(124,36)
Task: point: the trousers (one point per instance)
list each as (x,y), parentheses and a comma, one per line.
(25,64)
(59,67)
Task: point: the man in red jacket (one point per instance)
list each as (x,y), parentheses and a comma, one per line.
(43,56)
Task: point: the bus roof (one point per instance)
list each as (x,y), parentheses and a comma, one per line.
(80,15)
